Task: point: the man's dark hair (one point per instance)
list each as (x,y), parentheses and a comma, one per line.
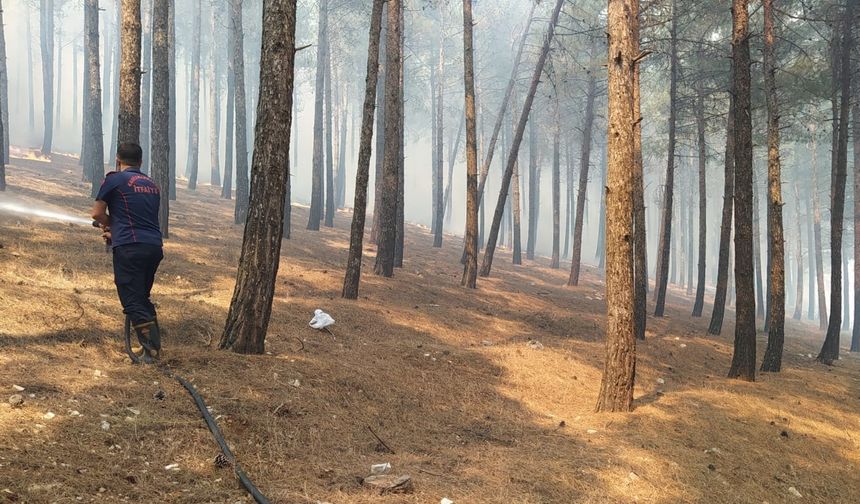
(130,154)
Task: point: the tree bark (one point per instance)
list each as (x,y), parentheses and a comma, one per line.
(329,139)
(242,196)
(390,175)
(556,191)
(230,126)
(94,166)
(816,230)
(32,99)
(699,304)
(776,329)
(400,217)
(129,77)
(514,208)
(146,85)
(470,272)
(668,193)
(46,36)
(353,265)
(380,131)
(810,246)
(318,164)
(4,91)
(194,112)
(171,130)
(452,158)
(584,162)
(798,300)
(720,295)
(108,51)
(534,191)
(855,114)
(160,162)
(619,369)
(487,263)
(744,357)
(438,218)
(214,102)
(830,349)
(251,307)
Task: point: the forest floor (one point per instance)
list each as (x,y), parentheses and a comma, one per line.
(444,375)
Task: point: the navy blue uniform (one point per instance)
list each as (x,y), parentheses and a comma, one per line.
(133,200)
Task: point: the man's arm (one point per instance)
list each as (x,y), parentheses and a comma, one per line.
(99,213)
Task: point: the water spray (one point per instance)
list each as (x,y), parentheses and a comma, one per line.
(9,207)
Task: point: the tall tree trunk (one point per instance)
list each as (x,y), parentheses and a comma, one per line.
(514,207)
(819,260)
(452,158)
(487,263)
(690,219)
(433,140)
(171,107)
(846,297)
(855,114)
(756,226)
(600,253)
(115,87)
(75,89)
(94,164)
(776,329)
(744,358)
(194,112)
(30,66)
(669,188)
(798,300)
(318,166)
(340,196)
(584,162)
(380,130)
(534,191)
(46,35)
(497,128)
(720,295)
(146,84)
(400,218)
(242,196)
(214,101)
(470,272)
(810,246)
(830,349)
(699,304)
(58,117)
(160,161)
(329,138)
(362,175)
(556,191)
(568,203)
(438,218)
(85,100)
(619,369)
(230,126)
(108,51)
(251,307)
(4,90)
(640,241)
(390,175)
(129,76)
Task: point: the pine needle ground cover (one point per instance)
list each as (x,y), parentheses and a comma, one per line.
(447,377)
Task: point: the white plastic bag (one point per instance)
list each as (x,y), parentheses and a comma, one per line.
(321,320)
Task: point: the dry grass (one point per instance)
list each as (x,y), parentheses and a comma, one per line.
(476,422)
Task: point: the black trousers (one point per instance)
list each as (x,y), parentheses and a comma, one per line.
(134,268)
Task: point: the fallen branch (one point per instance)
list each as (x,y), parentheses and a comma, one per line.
(383,443)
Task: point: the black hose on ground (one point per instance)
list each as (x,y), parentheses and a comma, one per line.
(213,428)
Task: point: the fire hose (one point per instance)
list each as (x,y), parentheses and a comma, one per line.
(210,423)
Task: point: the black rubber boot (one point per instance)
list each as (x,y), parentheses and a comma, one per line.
(135,357)
(149,337)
